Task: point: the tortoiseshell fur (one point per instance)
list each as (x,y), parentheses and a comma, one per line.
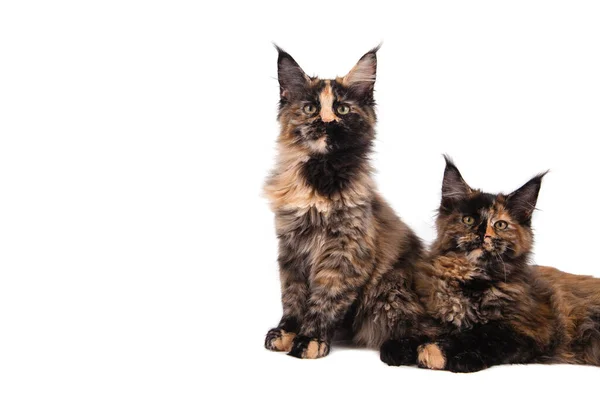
(345,258)
(497,308)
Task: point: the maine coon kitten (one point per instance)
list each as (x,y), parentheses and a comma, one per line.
(343,253)
(497,308)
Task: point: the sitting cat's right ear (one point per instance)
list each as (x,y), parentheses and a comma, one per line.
(292,78)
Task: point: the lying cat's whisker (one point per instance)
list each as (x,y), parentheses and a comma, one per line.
(499,257)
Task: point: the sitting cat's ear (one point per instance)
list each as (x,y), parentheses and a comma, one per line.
(521,202)
(292,78)
(361,78)
(454,186)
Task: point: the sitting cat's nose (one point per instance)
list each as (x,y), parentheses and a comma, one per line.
(327,115)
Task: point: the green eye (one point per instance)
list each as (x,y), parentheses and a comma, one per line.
(500,225)
(309,109)
(468,220)
(343,109)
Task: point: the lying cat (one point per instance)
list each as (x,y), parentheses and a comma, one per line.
(495,307)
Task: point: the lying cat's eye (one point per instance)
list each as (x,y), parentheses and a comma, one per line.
(468,220)
(343,109)
(309,109)
(500,225)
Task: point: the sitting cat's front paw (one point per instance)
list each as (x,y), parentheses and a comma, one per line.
(431,356)
(305,347)
(279,340)
(465,362)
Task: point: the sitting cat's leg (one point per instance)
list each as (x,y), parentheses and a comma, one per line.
(334,284)
(294,294)
(326,308)
(481,347)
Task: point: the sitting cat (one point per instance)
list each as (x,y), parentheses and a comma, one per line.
(345,258)
(497,308)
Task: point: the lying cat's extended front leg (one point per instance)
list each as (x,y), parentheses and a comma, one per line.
(481,347)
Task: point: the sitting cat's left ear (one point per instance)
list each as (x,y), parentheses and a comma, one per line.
(361,78)
(292,79)
(522,201)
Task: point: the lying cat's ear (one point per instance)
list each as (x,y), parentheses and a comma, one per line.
(454,186)
(521,202)
(292,78)
(361,78)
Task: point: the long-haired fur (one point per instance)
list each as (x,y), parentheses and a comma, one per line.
(494,306)
(344,256)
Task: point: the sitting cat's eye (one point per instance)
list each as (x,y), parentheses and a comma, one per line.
(343,109)
(468,220)
(309,109)
(500,225)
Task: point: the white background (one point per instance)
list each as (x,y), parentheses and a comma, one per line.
(137,256)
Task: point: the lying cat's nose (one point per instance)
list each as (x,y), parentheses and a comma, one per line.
(489,231)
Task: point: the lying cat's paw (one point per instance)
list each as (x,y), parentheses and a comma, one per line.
(279,340)
(431,356)
(465,362)
(397,352)
(305,347)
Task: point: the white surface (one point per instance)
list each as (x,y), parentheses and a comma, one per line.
(137,258)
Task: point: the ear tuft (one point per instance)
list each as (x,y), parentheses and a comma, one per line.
(454,186)
(522,201)
(361,78)
(292,78)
